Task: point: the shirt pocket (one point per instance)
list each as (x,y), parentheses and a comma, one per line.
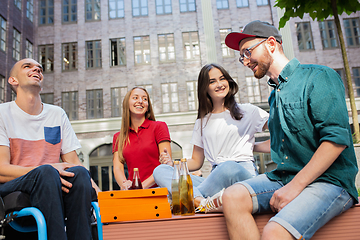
(52,135)
(294,116)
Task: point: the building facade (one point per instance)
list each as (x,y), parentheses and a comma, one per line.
(94,51)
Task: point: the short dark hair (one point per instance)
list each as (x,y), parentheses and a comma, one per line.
(12,74)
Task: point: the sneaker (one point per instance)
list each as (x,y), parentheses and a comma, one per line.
(211,204)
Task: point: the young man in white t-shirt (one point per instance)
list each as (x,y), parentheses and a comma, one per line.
(33,137)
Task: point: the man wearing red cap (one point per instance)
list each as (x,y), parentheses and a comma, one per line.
(311,144)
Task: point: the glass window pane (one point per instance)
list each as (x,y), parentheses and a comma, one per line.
(105,178)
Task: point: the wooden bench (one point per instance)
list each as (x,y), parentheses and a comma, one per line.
(212,226)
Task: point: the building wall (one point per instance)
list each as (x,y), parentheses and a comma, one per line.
(207,21)
(15,18)
(329,57)
(131,74)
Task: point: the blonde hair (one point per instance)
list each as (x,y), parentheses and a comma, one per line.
(123,137)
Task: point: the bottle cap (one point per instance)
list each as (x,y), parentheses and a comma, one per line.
(136,169)
(183,159)
(176,161)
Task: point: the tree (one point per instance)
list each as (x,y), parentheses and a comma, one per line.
(320,10)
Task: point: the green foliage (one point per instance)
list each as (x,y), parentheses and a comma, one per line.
(317,9)
(354,139)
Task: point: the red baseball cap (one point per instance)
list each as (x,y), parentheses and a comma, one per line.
(253,29)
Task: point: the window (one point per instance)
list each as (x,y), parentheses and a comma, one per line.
(222,4)
(30,10)
(92,9)
(343,78)
(139,8)
(46,57)
(191,45)
(2,34)
(166,47)
(116,9)
(187,6)
(69,102)
(29,49)
(47,98)
(356,79)
(328,34)
(93,54)
(2,89)
(117,97)
(69,11)
(118,57)
(46,12)
(253,89)
(170,100)
(262,2)
(163,7)
(142,50)
(18,4)
(191,88)
(352,31)
(16,45)
(69,56)
(94,103)
(226,52)
(101,168)
(304,37)
(242,3)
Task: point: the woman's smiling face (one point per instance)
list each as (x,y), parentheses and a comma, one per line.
(218,85)
(138,102)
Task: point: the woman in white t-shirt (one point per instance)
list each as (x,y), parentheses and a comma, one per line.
(224,134)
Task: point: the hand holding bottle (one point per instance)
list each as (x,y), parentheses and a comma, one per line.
(126,185)
(165,158)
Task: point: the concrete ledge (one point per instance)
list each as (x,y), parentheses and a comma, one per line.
(212,226)
(200,226)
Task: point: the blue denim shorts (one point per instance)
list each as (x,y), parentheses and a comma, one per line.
(310,210)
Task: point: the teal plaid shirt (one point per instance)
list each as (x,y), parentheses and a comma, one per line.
(308,107)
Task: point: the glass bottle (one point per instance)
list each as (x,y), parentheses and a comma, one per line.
(186,190)
(175,191)
(136,182)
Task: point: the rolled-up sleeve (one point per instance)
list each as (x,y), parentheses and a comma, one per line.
(328,108)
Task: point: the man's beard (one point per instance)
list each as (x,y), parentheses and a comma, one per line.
(263,65)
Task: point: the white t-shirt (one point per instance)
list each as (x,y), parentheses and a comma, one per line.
(35,140)
(226,139)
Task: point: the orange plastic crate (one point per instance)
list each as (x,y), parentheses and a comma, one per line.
(131,205)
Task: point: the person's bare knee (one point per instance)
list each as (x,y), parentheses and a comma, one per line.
(237,208)
(274,231)
(237,196)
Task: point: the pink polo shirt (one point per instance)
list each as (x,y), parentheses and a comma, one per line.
(143,150)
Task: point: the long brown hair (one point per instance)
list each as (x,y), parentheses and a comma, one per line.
(123,137)
(205,102)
